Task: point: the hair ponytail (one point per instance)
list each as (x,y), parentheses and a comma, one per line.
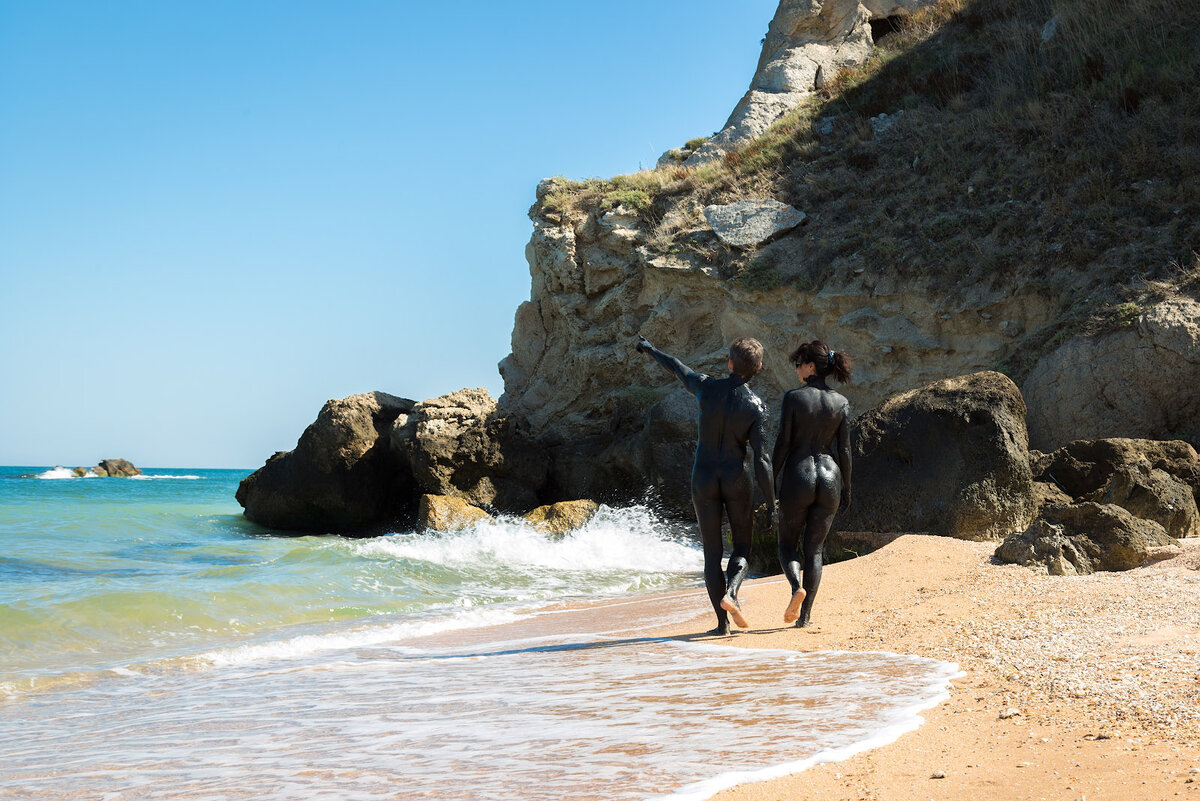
(827,360)
(840,366)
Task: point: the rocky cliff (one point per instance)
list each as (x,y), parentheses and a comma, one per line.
(996,186)
(946,219)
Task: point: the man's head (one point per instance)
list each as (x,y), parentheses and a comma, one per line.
(745,357)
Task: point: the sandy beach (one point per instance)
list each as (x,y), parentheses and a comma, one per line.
(1076,687)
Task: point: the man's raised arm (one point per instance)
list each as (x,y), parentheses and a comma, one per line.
(690,378)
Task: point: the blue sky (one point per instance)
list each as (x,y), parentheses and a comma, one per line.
(215,216)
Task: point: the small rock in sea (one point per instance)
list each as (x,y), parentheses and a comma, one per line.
(1010,713)
(938,774)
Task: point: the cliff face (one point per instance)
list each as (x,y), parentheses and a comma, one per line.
(596,285)
(962,214)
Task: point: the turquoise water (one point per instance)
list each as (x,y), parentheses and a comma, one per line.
(105,573)
(155,644)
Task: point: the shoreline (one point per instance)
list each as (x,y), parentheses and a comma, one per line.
(1074,687)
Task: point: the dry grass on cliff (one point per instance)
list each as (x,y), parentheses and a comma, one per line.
(1070,165)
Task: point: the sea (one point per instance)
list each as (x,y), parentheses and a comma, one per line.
(155,644)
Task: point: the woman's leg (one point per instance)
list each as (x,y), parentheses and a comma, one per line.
(796,495)
(819,521)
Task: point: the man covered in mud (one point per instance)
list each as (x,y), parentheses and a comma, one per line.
(730,417)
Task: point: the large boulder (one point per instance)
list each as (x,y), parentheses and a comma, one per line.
(439,513)
(1138,380)
(1084,467)
(563,517)
(462,446)
(950,458)
(342,476)
(1083,538)
(1155,495)
(752,222)
(116,467)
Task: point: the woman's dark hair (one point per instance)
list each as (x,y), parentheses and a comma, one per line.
(827,361)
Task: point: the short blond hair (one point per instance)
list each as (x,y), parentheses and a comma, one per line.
(746,353)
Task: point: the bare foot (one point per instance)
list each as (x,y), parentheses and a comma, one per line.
(735,612)
(719,631)
(793,608)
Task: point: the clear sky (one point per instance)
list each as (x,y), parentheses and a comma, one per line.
(215,215)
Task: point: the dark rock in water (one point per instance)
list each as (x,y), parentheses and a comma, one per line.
(342,476)
(116,467)
(559,519)
(439,513)
(1087,537)
(461,445)
(1086,466)
(950,458)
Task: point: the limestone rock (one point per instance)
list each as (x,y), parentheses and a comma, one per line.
(439,513)
(807,43)
(564,516)
(752,222)
(1155,495)
(461,445)
(1084,467)
(574,377)
(950,458)
(1087,537)
(1047,494)
(342,476)
(1115,384)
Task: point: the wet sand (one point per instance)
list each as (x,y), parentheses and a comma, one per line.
(1076,687)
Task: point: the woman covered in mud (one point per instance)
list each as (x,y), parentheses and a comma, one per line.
(812,470)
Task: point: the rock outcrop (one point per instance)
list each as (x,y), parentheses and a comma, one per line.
(806,45)
(439,513)
(118,468)
(597,284)
(342,476)
(1084,467)
(1077,539)
(562,517)
(1137,381)
(1152,480)
(752,222)
(461,445)
(950,458)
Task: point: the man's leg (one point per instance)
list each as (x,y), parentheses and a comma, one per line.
(737,497)
(708,514)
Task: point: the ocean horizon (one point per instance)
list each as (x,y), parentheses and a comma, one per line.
(157,644)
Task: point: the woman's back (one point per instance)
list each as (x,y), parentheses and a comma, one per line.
(810,419)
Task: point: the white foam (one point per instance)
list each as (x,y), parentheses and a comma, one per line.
(901,720)
(630,539)
(145,477)
(309,644)
(57,472)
